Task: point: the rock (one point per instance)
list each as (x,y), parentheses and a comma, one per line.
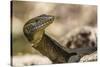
(89,58)
(26,60)
(85,36)
(74,58)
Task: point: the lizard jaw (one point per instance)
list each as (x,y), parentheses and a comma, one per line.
(35,27)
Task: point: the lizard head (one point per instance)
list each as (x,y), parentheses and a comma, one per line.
(34,28)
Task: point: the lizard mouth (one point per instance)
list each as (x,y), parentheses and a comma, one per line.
(38,23)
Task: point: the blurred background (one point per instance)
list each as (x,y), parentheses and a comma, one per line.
(67,17)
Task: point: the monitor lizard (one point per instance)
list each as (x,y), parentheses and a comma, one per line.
(34,30)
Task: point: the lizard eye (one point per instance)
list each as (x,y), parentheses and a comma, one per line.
(36,20)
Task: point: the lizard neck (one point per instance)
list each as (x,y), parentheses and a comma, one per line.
(37,36)
(48,48)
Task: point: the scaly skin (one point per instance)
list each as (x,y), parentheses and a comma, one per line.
(34,30)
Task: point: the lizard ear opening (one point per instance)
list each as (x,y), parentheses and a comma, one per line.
(37,36)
